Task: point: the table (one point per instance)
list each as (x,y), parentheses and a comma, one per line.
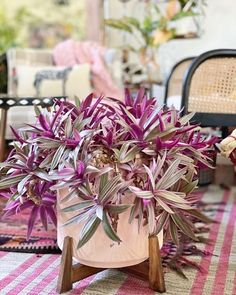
(7,102)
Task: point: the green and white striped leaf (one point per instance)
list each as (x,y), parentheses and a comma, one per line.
(108,228)
(21,184)
(164,206)
(69,196)
(47,161)
(109,188)
(134,210)
(44,175)
(182,224)
(151,177)
(91,169)
(83,215)
(174,197)
(174,232)
(79,206)
(103,182)
(11,180)
(162,220)
(57,156)
(77,101)
(170,175)
(79,125)
(140,193)
(68,127)
(117,208)
(130,155)
(200,216)
(88,230)
(185,119)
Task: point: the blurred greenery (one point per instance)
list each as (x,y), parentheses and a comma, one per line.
(19,19)
(9,28)
(193,4)
(156,27)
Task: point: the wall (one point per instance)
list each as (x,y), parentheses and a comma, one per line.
(220,32)
(219,27)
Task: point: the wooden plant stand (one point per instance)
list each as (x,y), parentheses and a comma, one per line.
(148,270)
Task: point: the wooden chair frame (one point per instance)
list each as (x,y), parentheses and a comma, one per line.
(148,270)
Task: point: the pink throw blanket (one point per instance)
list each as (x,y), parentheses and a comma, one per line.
(71,52)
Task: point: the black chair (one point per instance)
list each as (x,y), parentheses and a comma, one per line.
(209,89)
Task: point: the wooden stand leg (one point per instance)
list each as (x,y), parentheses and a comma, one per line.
(64,282)
(156,275)
(70,273)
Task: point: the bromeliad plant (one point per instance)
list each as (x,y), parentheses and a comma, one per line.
(101,151)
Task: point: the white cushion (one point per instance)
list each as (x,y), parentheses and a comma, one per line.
(77,81)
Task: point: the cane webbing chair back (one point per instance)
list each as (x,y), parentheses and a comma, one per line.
(174,82)
(210,88)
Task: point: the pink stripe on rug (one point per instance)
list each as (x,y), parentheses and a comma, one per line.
(34,275)
(2,254)
(134,286)
(47,280)
(18,271)
(223,264)
(200,278)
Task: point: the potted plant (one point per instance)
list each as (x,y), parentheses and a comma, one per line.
(115,171)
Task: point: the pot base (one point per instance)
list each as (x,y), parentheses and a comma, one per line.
(111,264)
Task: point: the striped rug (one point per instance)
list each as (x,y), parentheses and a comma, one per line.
(37,274)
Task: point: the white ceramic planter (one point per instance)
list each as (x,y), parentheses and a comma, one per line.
(100,251)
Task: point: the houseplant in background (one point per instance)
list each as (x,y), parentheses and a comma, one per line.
(160,23)
(115,169)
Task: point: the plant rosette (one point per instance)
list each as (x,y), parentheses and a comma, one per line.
(122,170)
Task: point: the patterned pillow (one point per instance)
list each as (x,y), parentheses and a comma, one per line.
(52,81)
